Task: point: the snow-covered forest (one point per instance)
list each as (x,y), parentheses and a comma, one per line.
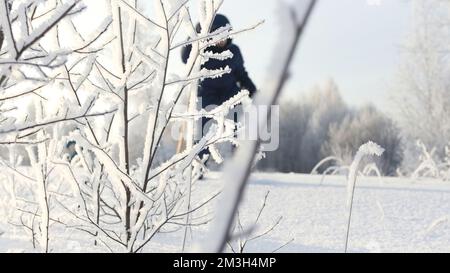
(102,136)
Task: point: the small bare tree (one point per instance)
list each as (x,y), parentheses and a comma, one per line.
(121,204)
(102,83)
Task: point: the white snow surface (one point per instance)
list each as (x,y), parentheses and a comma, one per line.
(389,215)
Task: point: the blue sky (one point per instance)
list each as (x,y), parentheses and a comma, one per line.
(355,42)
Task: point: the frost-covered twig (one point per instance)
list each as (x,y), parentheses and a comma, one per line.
(247,236)
(52,121)
(429,165)
(18,46)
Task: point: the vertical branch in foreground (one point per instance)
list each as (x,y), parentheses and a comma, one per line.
(237,172)
(123,112)
(7,33)
(1,38)
(152,126)
(190,131)
(190,127)
(38,160)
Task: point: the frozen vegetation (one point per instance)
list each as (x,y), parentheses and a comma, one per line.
(87,112)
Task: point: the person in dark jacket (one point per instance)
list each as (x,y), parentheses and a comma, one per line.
(219,90)
(71,150)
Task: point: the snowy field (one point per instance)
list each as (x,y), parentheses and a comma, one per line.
(392,215)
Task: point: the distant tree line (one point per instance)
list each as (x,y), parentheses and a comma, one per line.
(320,124)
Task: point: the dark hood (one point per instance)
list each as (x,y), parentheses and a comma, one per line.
(219,21)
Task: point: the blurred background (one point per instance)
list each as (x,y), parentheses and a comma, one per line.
(366,70)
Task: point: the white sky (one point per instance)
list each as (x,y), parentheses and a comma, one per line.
(355,42)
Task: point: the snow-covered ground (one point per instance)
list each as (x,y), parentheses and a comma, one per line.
(393,215)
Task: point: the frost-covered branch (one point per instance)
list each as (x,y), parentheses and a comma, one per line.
(237,172)
(88,99)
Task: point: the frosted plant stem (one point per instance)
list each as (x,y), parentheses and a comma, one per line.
(349,218)
(368,149)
